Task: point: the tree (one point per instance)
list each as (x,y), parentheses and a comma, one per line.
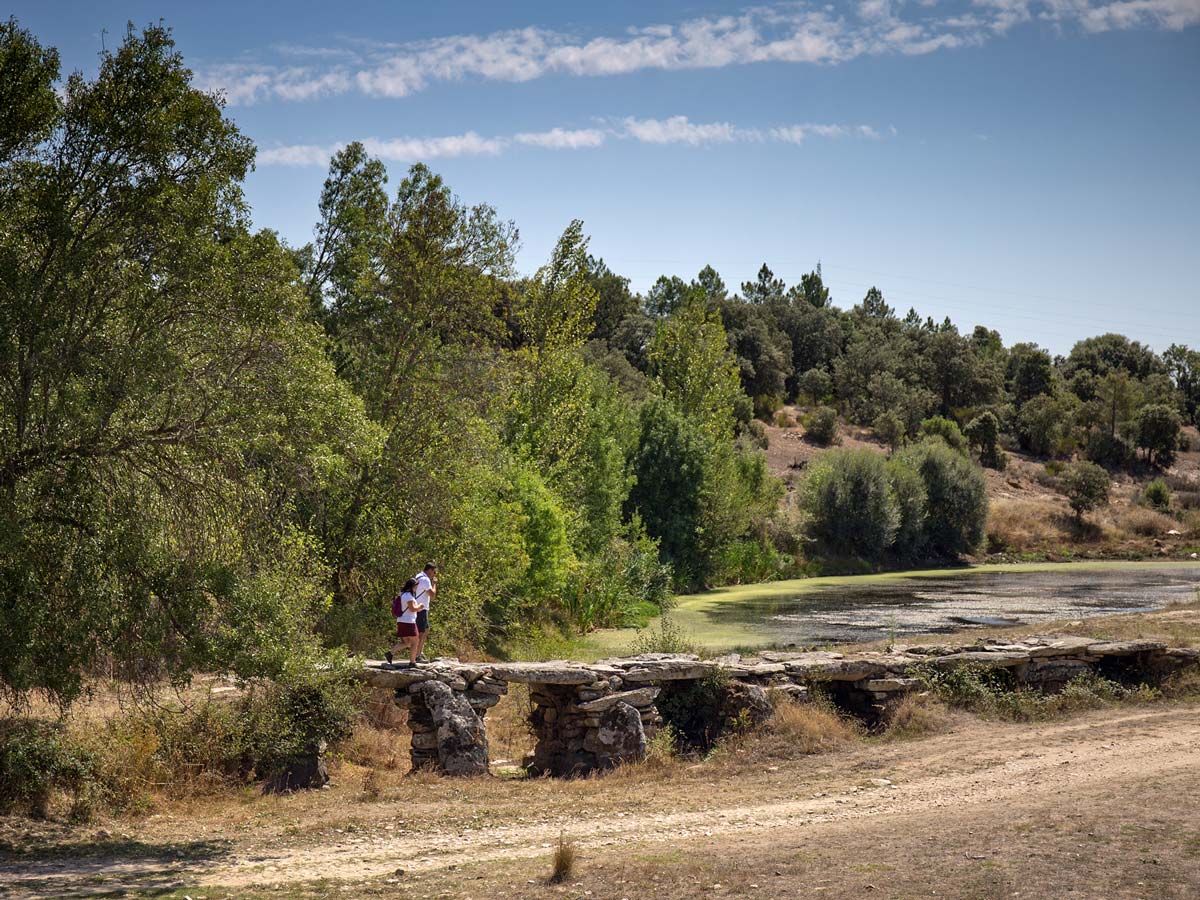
(614,300)
(1029,374)
(1086,486)
(822,426)
(983,433)
(1045,424)
(1183,365)
(165,403)
(851,504)
(955,496)
(890,428)
(766,289)
(945,430)
(1156,430)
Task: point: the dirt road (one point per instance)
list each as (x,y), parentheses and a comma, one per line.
(1139,765)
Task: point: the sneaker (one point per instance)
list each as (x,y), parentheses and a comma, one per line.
(421,658)
(388,657)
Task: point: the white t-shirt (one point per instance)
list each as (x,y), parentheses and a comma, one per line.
(409,616)
(424,589)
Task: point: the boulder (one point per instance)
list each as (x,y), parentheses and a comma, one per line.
(300,773)
(461,738)
(619,736)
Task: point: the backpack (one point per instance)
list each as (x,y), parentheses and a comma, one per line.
(397,605)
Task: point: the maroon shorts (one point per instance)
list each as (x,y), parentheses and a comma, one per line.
(406,629)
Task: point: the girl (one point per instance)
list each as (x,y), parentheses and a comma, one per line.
(406,622)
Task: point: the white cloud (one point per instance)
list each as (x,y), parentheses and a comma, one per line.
(671,130)
(679,130)
(788,33)
(562,139)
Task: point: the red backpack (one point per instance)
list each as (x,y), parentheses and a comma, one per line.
(398,605)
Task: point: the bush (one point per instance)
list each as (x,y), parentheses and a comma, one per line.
(1086,486)
(1108,449)
(1157,494)
(890,428)
(37,759)
(822,426)
(912,503)
(946,430)
(1156,430)
(851,504)
(668,638)
(955,498)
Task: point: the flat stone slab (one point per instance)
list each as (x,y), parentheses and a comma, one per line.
(543,672)
(996,659)
(1125,648)
(636,698)
(670,670)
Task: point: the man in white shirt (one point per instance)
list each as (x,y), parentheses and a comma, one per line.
(425,592)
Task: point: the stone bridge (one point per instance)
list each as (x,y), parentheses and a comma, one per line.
(590,716)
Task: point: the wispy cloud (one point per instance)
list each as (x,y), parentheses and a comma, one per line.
(788,33)
(562,139)
(671,130)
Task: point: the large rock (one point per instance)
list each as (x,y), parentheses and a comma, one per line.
(620,736)
(745,705)
(543,673)
(300,773)
(461,737)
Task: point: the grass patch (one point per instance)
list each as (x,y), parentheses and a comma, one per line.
(915,716)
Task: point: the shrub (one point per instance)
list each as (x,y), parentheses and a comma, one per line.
(822,426)
(1108,449)
(1044,424)
(38,759)
(810,727)
(766,405)
(946,430)
(1086,486)
(851,504)
(668,638)
(1146,522)
(912,504)
(1157,494)
(955,498)
(890,428)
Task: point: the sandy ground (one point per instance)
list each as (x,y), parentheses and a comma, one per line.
(1102,804)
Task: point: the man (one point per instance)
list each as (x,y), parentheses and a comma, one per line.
(425,592)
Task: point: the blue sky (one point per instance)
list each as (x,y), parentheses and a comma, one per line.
(1030,165)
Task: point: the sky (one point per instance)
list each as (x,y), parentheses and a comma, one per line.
(1029,165)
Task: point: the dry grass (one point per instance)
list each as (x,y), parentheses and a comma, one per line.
(376,747)
(564,861)
(1145,522)
(915,716)
(1021,526)
(805,728)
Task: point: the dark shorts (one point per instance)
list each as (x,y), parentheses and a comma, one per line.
(423,621)
(406,629)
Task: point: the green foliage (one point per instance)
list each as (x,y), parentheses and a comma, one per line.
(815,384)
(983,433)
(946,430)
(1045,424)
(1156,431)
(851,504)
(1086,486)
(37,760)
(890,428)
(955,496)
(1157,494)
(912,504)
(822,426)
(667,638)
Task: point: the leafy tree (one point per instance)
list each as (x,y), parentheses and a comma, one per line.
(815,384)
(164,400)
(1156,430)
(1029,374)
(614,300)
(1086,486)
(850,503)
(667,295)
(912,504)
(983,433)
(1157,494)
(955,496)
(1183,365)
(1108,353)
(1045,424)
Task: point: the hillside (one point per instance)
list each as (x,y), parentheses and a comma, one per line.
(1029,518)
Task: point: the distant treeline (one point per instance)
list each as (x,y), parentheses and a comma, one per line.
(221,452)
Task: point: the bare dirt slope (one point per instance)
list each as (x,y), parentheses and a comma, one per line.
(1103,804)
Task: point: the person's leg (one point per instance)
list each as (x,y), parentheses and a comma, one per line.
(411,644)
(422,631)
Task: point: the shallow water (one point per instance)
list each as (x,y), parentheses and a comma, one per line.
(873,609)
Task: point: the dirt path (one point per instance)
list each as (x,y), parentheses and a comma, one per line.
(980,766)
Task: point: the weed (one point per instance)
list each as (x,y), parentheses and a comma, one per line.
(564,861)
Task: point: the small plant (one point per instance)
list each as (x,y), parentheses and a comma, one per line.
(564,860)
(668,638)
(372,786)
(1157,494)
